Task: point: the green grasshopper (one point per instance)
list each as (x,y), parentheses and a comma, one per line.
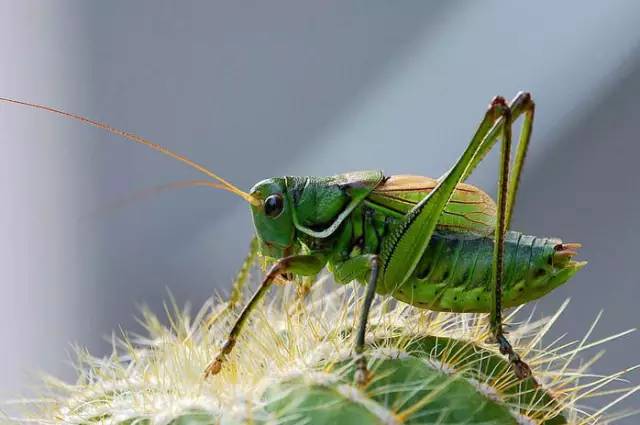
(440,244)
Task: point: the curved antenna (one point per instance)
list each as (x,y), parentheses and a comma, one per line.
(225,185)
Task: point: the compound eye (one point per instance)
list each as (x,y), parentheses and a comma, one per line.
(273,205)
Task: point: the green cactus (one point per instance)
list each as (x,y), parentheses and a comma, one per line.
(294,366)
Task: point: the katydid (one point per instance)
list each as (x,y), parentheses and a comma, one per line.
(439,244)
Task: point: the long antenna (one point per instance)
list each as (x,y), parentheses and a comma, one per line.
(137,139)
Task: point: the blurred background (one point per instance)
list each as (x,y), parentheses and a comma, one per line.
(257,89)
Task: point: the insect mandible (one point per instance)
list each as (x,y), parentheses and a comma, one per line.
(438,244)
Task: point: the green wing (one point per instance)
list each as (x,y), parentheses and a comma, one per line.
(470,210)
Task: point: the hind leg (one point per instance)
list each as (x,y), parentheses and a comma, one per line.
(402,249)
(508,182)
(521,369)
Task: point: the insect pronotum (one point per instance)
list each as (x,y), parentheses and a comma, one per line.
(435,244)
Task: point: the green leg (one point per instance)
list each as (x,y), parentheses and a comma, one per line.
(521,369)
(507,189)
(498,246)
(521,104)
(237,288)
(357,268)
(354,268)
(304,265)
(403,248)
(362,374)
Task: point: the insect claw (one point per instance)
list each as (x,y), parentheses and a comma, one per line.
(362,377)
(216,365)
(521,369)
(213,368)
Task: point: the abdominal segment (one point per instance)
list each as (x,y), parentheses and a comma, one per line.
(455,272)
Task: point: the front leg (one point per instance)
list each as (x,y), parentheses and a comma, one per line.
(303,265)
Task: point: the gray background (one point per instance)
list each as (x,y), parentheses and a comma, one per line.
(256,89)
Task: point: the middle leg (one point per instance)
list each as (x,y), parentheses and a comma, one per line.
(362,374)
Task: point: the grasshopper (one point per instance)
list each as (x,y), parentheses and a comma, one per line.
(437,244)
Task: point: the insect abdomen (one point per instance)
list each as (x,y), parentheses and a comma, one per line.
(455,271)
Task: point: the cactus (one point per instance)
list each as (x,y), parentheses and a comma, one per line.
(294,365)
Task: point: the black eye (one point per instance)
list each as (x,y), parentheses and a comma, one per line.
(273,205)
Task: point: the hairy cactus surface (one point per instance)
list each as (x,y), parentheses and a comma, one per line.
(294,365)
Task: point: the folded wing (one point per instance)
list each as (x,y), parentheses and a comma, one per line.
(470,210)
